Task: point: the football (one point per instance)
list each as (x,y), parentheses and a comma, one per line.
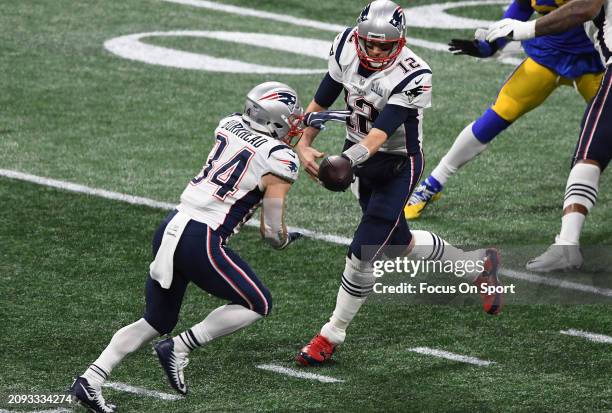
(336,173)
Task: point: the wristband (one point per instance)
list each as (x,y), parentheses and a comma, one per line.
(356,154)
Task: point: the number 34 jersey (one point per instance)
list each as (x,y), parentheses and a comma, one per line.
(406,82)
(228,190)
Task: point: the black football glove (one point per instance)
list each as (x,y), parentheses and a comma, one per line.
(317,119)
(476,48)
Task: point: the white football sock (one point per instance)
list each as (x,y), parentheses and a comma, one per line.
(220,322)
(582,188)
(465,148)
(125,341)
(571,227)
(347,307)
(430,247)
(357,283)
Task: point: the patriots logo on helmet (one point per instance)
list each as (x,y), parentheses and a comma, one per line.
(398,18)
(290,164)
(287,98)
(364,14)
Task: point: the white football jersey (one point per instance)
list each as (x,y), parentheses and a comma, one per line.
(228,190)
(406,82)
(600,31)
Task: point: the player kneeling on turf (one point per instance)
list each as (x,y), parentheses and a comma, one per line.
(250,165)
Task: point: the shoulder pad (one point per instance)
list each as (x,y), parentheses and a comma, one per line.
(340,43)
(414,78)
(283,162)
(414,91)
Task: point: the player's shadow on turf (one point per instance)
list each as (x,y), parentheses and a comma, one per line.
(329,364)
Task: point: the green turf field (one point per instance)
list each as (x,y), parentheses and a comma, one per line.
(72,266)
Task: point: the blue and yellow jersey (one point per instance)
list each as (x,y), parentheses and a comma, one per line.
(552,50)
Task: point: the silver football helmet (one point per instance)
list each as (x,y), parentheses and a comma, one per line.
(382,23)
(273,108)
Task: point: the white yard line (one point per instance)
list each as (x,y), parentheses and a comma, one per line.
(69,186)
(314,24)
(598,338)
(244,11)
(298,374)
(142,391)
(451,356)
(137,200)
(334,239)
(554,282)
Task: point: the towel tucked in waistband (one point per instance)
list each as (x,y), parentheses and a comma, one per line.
(162,268)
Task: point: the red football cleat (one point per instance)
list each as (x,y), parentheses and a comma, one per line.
(316,352)
(491,302)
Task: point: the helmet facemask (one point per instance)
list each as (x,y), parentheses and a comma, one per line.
(377,63)
(295,130)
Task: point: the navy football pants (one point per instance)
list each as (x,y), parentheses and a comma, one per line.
(595,142)
(202,258)
(385,184)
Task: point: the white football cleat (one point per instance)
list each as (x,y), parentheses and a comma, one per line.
(557,258)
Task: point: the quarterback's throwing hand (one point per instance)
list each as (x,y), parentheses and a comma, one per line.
(511,29)
(317,119)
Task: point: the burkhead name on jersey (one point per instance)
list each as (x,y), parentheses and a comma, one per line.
(275,157)
(407,82)
(228,189)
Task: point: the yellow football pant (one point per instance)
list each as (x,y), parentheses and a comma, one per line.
(531,83)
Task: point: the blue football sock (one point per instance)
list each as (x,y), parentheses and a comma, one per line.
(433,184)
(488,126)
